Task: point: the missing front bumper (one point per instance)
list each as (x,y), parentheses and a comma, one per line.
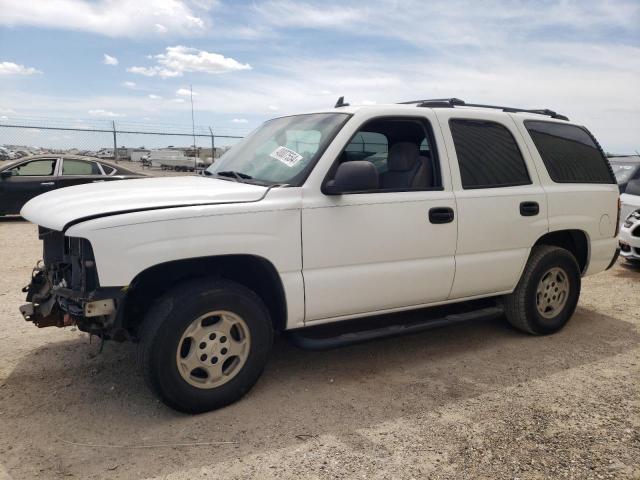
(55,317)
(58,306)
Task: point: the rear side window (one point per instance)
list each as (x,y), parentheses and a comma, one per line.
(569,153)
(79,167)
(487,154)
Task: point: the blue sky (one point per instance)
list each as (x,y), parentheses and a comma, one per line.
(130,61)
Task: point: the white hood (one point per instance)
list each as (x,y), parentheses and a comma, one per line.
(58,208)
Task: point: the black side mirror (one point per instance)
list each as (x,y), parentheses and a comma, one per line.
(6,174)
(352,177)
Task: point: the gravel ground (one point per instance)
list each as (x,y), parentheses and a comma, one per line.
(464,402)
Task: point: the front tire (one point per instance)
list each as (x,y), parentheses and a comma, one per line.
(204,344)
(547,293)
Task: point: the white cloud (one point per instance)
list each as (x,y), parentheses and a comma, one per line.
(274,108)
(129,84)
(185,92)
(114,18)
(10,68)
(177,100)
(147,72)
(239,120)
(179,59)
(99,112)
(185,59)
(109,60)
(154,97)
(6,110)
(451,22)
(294,13)
(4,117)
(368,102)
(154,71)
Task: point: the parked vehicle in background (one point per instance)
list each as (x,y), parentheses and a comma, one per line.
(28,177)
(630,237)
(173,159)
(628,176)
(629,231)
(626,168)
(321,218)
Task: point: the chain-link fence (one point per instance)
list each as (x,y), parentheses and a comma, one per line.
(154,145)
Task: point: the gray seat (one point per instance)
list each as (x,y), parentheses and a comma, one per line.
(406,168)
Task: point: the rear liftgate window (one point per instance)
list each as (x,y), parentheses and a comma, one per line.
(570,153)
(487,154)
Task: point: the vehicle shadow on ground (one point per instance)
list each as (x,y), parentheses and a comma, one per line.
(11,219)
(65,390)
(628,270)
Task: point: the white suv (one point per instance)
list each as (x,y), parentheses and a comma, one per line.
(320,218)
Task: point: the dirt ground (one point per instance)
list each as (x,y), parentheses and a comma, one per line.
(469,401)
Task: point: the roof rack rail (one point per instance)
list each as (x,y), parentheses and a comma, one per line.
(456,102)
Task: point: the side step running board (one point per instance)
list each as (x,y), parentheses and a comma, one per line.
(305,338)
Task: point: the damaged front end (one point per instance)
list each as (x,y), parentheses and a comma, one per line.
(64,288)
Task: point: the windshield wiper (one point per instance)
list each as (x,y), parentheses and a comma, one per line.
(239,176)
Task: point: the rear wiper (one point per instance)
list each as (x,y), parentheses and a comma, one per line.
(239,176)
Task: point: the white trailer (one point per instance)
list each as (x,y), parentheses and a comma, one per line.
(169,159)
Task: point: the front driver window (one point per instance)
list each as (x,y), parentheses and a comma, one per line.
(35,168)
(400,149)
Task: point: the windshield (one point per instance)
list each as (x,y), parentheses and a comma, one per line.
(624,170)
(282,150)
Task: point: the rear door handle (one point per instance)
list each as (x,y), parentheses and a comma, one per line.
(441,215)
(529,209)
(47,184)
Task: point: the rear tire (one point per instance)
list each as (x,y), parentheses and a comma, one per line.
(204,344)
(547,293)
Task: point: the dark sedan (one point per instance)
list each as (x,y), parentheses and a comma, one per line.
(28,177)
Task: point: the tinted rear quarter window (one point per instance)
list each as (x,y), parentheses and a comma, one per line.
(569,152)
(488,155)
(108,170)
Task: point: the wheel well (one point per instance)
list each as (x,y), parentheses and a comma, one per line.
(253,272)
(573,240)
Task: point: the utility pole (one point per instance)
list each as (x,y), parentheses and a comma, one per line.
(193,131)
(213,146)
(115,142)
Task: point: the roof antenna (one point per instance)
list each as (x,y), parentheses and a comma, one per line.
(340,103)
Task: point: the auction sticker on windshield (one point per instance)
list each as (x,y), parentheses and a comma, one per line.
(286,156)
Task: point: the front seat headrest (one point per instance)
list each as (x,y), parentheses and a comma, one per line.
(402,156)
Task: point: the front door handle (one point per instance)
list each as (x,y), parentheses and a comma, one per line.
(47,184)
(529,209)
(441,215)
